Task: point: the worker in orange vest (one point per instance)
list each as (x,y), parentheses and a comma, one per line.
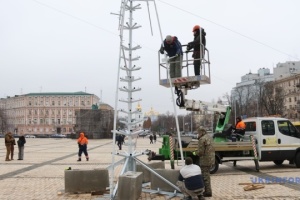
(240,127)
(82,144)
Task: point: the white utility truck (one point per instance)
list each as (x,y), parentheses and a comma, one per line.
(276,139)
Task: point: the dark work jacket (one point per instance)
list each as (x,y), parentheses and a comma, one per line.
(196,43)
(193,182)
(173,48)
(21,143)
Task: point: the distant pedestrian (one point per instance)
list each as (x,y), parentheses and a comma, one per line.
(154,138)
(21,142)
(119,139)
(123,139)
(151,139)
(82,144)
(8,143)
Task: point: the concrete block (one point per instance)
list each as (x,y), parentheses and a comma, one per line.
(86,180)
(130,186)
(146,172)
(169,174)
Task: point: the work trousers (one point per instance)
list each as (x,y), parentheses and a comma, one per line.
(12,149)
(8,151)
(83,148)
(175,67)
(186,192)
(21,153)
(206,177)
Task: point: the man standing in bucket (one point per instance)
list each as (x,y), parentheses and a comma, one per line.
(174,49)
(82,144)
(198,49)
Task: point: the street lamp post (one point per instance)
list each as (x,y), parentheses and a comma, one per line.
(192,122)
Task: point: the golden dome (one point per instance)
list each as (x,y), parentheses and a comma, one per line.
(139,107)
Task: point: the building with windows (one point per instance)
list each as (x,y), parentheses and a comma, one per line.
(45,113)
(287,76)
(246,94)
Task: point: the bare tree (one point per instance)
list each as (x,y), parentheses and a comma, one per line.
(3,121)
(147,123)
(273,99)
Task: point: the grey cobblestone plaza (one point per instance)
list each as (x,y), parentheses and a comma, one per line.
(41,174)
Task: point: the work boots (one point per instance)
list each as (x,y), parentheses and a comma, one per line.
(201,197)
(207,194)
(87,159)
(79,159)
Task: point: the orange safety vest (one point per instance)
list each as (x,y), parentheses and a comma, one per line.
(240,125)
(82,140)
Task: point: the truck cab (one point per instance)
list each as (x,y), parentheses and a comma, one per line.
(277,139)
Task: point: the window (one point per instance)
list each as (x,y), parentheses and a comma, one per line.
(53,121)
(58,121)
(53,103)
(250,126)
(41,121)
(286,128)
(268,127)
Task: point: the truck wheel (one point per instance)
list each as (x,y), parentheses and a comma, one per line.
(297,160)
(278,162)
(214,168)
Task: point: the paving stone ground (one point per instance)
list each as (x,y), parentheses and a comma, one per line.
(41,174)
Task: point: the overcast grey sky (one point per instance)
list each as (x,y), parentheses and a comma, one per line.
(73,45)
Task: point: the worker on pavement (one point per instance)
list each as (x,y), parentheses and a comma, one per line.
(82,145)
(206,153)
(190,181)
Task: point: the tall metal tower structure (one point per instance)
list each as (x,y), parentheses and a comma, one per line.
(127,58)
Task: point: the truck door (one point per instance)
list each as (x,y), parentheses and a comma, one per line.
(268,142)
(288,139)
